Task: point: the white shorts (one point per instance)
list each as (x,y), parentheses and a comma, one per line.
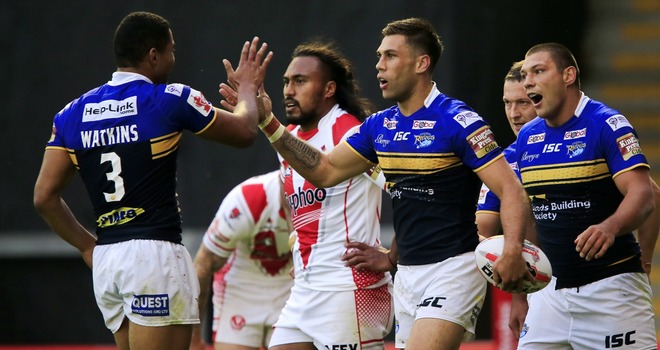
(153,283)
(244,314)
(613,313)
(452,290)
(358,319)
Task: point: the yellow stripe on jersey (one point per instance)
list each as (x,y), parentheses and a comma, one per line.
(164,145)
(74,159)
(417,163)
(565,173)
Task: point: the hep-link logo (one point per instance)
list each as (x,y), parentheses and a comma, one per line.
(151,305)
(304,198)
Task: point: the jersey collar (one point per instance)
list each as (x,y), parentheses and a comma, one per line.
(119,78)
(432,95)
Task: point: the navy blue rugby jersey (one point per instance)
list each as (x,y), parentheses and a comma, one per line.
(429,160)
(569,172)
(488,201)
(123,138)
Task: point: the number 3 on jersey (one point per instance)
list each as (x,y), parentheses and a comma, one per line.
(113,176)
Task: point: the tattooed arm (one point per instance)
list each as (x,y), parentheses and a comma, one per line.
(321,169)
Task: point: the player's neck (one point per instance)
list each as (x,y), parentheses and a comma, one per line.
(416,99)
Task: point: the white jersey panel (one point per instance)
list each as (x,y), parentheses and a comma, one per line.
(326,218)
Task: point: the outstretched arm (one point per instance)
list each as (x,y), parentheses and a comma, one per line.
(321,169)
(238,128)
(56,172)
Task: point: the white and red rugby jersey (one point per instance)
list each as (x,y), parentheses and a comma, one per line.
(326,218)
(250,229)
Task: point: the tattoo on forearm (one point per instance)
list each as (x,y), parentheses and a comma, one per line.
(305,154)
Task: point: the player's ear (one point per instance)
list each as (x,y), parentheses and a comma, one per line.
(423,63)
(569,76)
(152,56)
(330,88)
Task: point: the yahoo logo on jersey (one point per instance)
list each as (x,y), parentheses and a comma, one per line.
(110,109)
(575,134)
(151,305)
(423,124)
(305,198)
(118,216)
(536,138)
(389,124)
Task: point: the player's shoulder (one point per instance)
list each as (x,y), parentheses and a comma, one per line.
(454,113)
(599,115)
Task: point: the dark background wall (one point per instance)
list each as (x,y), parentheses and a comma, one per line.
(54,51)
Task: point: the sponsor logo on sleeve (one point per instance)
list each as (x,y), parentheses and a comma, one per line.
(482,141)
(514,166)
(199,102)
(617,122)
(467,118)
(628,146)
(110,109)
(151,305)
(575,134)
(535,138)
(174,89)
(389,124)
(483,192)
(423,124)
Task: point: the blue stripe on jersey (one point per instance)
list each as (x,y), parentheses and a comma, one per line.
(568,173)
(429,160)
(123,137)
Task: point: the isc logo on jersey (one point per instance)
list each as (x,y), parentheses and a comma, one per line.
(305,198)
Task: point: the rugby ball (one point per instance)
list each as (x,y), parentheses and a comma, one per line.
(538,264)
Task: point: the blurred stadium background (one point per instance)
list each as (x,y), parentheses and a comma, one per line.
(55,51)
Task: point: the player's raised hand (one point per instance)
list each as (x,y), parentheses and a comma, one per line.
(252,65)
(230,97)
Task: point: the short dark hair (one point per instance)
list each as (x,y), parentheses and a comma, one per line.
(420,35)
(514,72)
(137,33)
(560,55)
(340,70)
